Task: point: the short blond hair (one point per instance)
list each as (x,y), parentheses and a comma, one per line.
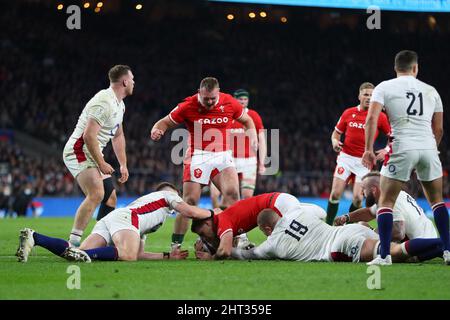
(209,83)
(366,85)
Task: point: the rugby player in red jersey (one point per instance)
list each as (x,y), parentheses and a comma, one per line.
(248,163)
(349,166)
(207,115)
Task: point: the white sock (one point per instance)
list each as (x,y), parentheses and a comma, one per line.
(75,235)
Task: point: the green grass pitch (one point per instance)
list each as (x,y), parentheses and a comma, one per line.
(44,276)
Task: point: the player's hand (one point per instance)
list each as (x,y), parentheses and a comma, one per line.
(156,134)
(105,168)
(198,245)
(177,254)
(123,174)
(337,145)
(368,159)
(261,168)
(202,255)
(217,210)
(381,154)
(339,221)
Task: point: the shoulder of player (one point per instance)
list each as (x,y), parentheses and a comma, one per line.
(103,98)
(188,102)
(349,110)
(427,86)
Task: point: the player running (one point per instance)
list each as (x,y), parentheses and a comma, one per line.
(99,122)
(207,115)
(248,165)
(416,114)
(409,218)
(300,235)
(351,123)
(120,235)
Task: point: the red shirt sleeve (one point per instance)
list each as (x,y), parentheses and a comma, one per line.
(256,120)
(223,225)
(383,124)
(177,114)
(238,110)
(341,125)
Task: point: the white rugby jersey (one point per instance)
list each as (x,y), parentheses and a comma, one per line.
(410,105)
(104,108)
(406,209)
(149,212)
(299,235)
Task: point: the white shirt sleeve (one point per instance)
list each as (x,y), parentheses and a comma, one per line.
(261,252)
(172,199)
(99,113)
(378,94)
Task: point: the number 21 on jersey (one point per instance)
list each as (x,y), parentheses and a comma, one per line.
(413,111)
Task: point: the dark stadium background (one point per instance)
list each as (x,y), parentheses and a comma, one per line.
(301,75)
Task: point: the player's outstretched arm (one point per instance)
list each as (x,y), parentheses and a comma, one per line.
(261,252)
(175,254)
(160,127)
(192,212)
(361,214)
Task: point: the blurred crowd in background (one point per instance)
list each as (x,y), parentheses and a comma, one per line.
(301,77)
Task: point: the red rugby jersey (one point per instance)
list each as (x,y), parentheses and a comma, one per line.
(352,123)
(242,216)
(213,124)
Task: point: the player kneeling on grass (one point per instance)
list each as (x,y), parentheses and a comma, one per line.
(409,220)
(118,236)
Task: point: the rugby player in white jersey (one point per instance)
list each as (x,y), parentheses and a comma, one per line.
(121,234)
(409,218)
(415,113)
(99,122)
(295,232)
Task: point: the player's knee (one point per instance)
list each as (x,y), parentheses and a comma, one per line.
(96,196)
(231,195)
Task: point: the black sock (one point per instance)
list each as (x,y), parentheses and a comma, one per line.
(103,210)
(353,208)
(332,210)
(177,238)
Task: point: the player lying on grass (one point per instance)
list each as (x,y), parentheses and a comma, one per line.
(296,232)
(217,231)
(300,236)
(118,236)
(409,218)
